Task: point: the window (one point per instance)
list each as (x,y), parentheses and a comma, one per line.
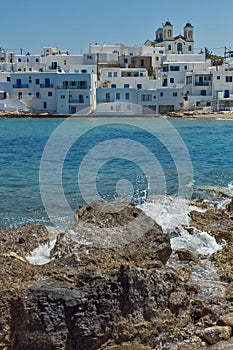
(174,94)
(174,68)
(37,95)
(126,60)
(146,98)
(107,96)
(218,77)
(228,79)
(126,86)
(226,93)
(62,97)
(113,86)
(29,79)
(141,74)
(20,95)
(185,67)
(82,84)
(64,62)
(37,81)
(118,96)
(169,47)
(44,105)
(161,94)
(139,86)
(172,80)
(203,92)
(165,69)
(83,71)
(110,74)
(37,60)
(89,57)
(127,96)
(19,60)
(50,93)
(81,99)
(8,78)
(179,48)
(190,48)
(115,74)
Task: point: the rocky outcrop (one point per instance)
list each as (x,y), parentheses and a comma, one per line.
(110,235)
(107,287)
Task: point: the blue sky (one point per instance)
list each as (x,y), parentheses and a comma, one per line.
(73,24)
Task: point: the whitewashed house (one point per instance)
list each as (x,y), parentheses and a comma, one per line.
(62,93)
(223,89)
(76,93)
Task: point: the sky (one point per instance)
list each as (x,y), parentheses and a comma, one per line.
(71,25)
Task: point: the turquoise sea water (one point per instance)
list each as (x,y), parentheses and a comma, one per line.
(113,159)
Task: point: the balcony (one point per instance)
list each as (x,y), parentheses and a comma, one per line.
(76,101)
(46,86)
(104,100)
(20,86)
(202,83)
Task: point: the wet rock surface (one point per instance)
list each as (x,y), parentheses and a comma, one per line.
(98,296)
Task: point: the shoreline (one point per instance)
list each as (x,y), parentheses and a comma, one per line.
(183,115)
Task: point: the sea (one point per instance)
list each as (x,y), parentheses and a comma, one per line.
(50,167)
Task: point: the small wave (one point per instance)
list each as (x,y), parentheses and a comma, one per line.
(41,255)
(169,212)
(172,213)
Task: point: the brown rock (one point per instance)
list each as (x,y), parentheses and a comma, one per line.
(186,255)
(223,260)
(216,334)
(113,236)
(223,345)
(226,320)
(184,274)
(217,223)
(229,292)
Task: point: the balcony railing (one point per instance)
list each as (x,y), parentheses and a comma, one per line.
(46,86)
(102,100)
(74,87)
(76,101)
(202,83)
(20,86)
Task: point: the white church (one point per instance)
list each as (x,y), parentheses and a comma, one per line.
(164,37)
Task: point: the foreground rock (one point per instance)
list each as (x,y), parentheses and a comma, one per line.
(101,293)
(110,235)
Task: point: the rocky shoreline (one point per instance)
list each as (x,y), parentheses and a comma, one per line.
(179,114)
(122,295)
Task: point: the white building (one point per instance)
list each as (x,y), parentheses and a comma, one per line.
(62,93)
(174,44)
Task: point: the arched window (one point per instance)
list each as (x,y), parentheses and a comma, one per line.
(169,33)
(179,48)
(190,34)
(169,47)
